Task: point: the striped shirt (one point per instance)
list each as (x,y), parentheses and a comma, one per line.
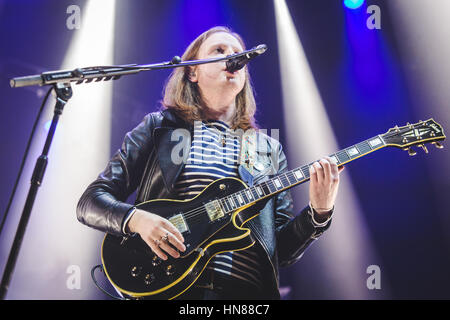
(214,154)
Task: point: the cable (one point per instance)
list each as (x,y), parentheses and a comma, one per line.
(30,140)
(98,286)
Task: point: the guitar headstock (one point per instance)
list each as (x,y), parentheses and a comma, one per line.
(419,134)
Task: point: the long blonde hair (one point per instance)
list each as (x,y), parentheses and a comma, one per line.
(183,96)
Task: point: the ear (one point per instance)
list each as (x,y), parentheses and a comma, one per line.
(192,75)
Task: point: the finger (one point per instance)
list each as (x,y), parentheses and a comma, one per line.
(326,170)
(312,174)
(155,248)
(319,171)
(164,245)
(341,169)
(173,240)
(171,228)
(334,170)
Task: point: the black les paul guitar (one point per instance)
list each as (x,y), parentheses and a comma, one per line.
(214,221)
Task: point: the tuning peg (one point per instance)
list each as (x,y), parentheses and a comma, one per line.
(437,145)
(424,147)
(411,151)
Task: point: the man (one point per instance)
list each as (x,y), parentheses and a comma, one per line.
(211,103)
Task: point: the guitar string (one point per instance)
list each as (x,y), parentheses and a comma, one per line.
(190,215)
(202,210)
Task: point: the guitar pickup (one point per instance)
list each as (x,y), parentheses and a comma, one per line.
(179,223)
(214,210)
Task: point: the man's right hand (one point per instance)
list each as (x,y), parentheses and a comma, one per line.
(154,229)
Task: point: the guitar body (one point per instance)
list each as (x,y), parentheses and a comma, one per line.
(136,271)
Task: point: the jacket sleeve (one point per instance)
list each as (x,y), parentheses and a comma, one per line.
(294,233)
(102,206)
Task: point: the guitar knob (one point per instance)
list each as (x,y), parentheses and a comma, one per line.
(156,261)
(170,270)
(135,271)
(149,278)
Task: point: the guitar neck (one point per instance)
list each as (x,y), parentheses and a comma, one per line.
(296,176)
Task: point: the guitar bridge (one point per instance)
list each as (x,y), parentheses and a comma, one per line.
(214,210)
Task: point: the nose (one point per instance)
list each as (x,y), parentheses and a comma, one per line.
(228,51)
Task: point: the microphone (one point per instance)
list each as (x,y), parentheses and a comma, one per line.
(239,60)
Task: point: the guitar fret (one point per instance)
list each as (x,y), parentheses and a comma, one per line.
(277,183)
(342,156)
(284,180)
(375,142)
(265,188)
(227,206)
(235,200)
(244,195)
(224,204)
(232,204)
(260,191)
(271,186)
(291,178)
(364,147)
(352,152)
(305,170)
(335,158)
(240,199)
(249,194)
(254,193)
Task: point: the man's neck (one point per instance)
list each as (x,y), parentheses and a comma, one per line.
(221,112)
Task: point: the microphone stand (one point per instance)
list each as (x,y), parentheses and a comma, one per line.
(63,94)
(60,80)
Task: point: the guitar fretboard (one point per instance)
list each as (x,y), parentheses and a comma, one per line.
(295,176)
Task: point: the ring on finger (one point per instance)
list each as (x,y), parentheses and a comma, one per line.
(157,242)
(165,237)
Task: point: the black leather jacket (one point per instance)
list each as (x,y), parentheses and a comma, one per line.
(144,164)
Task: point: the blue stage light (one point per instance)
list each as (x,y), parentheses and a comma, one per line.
(353,4)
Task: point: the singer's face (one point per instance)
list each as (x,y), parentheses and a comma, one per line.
(213,77)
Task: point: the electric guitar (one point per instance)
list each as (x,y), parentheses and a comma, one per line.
(214,221)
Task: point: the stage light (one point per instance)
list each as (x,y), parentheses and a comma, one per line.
(304,113)
(353,4)
(47,125)
(56,247)
(425,50)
